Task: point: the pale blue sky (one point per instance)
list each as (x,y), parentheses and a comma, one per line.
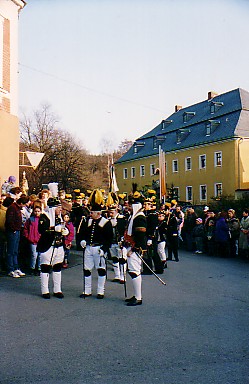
(113,69)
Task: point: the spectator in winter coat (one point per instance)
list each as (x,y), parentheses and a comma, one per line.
(244,231)
(222,235)
(234,230)
(188,226)
(198,235)
(32,234)
(67,239)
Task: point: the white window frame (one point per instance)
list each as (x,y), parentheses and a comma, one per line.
(133,172)
(175,161)
(186,163)
(125,173)
(142,170)
(201,188)
(152,169)
(187,189)
(216,164)
(216,194)
(200,161)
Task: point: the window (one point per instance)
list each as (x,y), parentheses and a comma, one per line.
(188,193)
(137,146)
(125,173)
(203,192)
(188,164)
(175,166)
(165,123)
(215,106)
(217,189)
(188,116)
(181,134)
(152,169)
(202,161)
(211,126)
(218,159)
(142,170)
(133,172)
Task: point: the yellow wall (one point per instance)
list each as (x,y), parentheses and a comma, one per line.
(227,173)
(9,149)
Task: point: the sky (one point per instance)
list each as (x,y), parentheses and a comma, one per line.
(111,70)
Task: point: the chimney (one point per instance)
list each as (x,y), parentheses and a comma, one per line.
(177,108)
(212,94)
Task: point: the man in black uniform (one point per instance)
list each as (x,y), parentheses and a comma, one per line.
(118,255)
(152,254)
(95,236)
(50,246)
(136,244)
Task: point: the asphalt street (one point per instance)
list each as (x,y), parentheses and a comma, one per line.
(193,330)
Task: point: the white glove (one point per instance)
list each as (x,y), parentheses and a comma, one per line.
(64,231)
(83,243)
(149,242)
(101,252)
(58,228)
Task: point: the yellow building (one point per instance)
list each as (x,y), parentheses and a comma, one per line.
(206,148)
(9,123)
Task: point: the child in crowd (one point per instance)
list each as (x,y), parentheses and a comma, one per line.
(198,235)
(68,239)
(31,233)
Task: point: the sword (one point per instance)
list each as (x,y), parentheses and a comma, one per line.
(140,257)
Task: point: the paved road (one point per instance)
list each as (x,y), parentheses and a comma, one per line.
(194,330)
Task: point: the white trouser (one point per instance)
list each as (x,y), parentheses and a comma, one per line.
(45,280)
(93,259)
(134,266)
(51,257)
(161,250)
(119,269)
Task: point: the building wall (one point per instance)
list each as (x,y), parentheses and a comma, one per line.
(225,164)
(9,125)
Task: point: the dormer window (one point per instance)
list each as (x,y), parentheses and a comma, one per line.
(181,134)
(215,106)
(165,123)
(157,140)
(188,116)
(137,146)
(211,126)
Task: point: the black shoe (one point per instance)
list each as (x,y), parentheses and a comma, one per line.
(59,295)
(46,295)
(116,280)
(159,272)
(130,299)
(134,303)
(177,260)
(99,296)
(83,295)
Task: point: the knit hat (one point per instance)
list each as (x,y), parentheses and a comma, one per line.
(199,220)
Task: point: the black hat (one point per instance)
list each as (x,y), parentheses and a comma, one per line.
(53,202)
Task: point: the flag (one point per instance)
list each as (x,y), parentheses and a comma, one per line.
(162,174)
(113,182)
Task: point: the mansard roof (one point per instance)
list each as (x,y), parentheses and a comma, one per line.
(219,118)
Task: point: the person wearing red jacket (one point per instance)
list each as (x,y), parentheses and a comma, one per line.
(30,231)
(67,239)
